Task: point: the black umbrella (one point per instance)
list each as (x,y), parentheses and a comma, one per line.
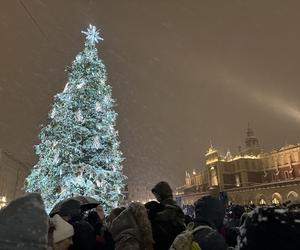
(86,203)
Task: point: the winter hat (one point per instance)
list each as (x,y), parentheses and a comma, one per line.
(24,224)
(70,207)
(63,230)
(163,189)
(210,209)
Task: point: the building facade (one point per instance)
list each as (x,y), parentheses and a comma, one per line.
(250,176)
(140,192)
(12,176)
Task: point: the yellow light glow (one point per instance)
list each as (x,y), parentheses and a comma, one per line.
(212,161)
(210,151)
(3,201)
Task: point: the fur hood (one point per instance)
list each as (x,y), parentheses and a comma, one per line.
(133,225)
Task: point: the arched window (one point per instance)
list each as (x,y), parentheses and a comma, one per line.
(276,199)
(262,201)
(292,195)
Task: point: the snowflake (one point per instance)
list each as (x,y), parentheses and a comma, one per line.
(92,34)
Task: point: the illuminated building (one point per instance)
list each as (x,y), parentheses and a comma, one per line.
(249,177)
(140,192)
(12,176)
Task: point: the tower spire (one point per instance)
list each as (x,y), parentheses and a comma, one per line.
(249,130)
(251,142)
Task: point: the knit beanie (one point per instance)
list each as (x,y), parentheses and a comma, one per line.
(24,224)
(63,230)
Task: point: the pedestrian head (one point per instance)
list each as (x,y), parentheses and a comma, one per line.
(24,224)
(211,209)
(162,191)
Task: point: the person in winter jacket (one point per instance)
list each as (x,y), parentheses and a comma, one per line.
(168,221)
(153,207)
(62,233)
(104,239)
(210,213)
(270,228)
(234,216)
(24,224)
(84,234)
(232,224)
(131,229)
(114,214)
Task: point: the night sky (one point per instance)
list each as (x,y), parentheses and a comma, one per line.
(183,73)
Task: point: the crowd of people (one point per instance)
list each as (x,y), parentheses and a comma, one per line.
(156,225)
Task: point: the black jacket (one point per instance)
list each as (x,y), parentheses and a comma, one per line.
(209,212)
(84,235)
(167,224)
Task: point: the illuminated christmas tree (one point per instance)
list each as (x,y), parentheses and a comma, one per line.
(79,149)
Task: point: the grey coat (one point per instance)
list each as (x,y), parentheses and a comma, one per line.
(131,230)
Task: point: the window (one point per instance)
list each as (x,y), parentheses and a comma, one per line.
(274,177)
(286,175)
(237,180)
(275,201)
(214,177)
(3,201)
(262,202)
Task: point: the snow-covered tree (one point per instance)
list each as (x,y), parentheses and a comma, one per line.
(79,149)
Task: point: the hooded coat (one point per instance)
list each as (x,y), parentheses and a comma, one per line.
(270,228)
(24,224)
(209,212)
(84,237)
(131,230)
(169,221)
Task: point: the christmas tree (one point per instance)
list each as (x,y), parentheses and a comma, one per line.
(79,149)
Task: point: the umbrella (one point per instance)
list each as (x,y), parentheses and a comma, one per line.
(86,203)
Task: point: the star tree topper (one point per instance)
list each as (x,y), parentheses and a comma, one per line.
(92,34)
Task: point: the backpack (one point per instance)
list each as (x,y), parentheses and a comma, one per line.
(184,240)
